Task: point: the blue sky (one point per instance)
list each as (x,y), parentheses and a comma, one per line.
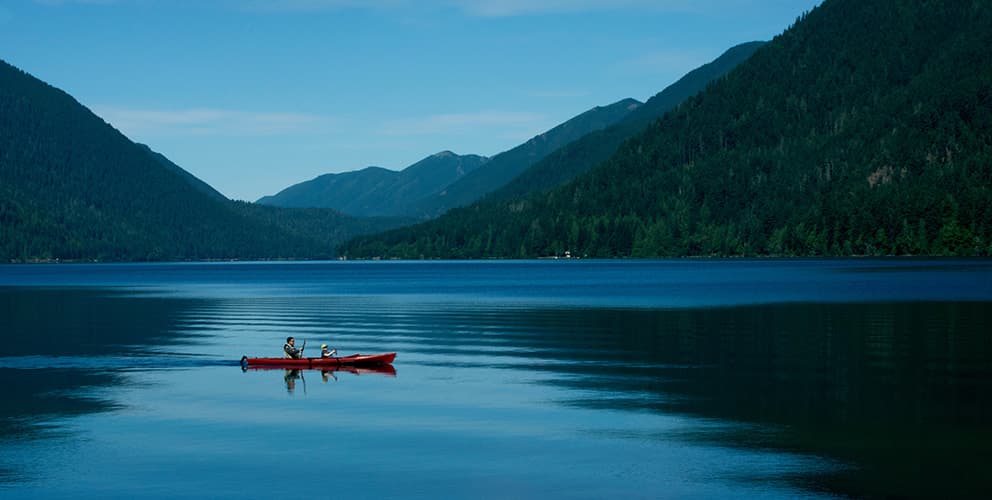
(255,95)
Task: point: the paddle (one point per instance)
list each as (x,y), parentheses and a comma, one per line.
(304,379)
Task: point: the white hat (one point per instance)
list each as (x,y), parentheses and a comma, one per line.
(323,346)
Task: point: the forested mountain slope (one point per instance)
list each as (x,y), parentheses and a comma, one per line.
(865,128)
(73,188)
(203,187)
(579,156)
(502,168)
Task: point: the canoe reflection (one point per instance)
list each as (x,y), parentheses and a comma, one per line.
(292,375)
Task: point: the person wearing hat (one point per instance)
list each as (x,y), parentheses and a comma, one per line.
(324,353)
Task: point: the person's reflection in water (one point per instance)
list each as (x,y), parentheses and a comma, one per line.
(325,373)
(290,378)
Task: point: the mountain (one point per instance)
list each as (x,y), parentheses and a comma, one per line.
(329,190)
(584,153)
(201,186)
(376,191)
(863,129)
(74,188)
(502,168)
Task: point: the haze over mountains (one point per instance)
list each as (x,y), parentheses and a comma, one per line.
(503,167)
(544,161)
(433,185)
(377,191)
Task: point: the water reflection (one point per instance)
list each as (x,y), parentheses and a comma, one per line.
(897,395)
(95,335)
(901,393)
(292,376)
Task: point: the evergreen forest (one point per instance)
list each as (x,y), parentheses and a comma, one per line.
(863,129)
(73,188)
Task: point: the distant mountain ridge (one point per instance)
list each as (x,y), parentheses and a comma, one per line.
(375,191)
(582,154)
(543,162)
(420,191)
(502,168)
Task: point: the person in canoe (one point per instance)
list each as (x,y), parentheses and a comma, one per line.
(324,353)
(291,350)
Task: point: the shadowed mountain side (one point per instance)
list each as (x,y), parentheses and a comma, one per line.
(864,129)
(194,181)
(375,191)
(74,188)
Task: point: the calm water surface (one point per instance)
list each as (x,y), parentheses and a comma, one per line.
(550,379)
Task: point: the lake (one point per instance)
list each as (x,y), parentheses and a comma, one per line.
(513,379)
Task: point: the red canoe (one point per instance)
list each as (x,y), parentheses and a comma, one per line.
(353,360)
